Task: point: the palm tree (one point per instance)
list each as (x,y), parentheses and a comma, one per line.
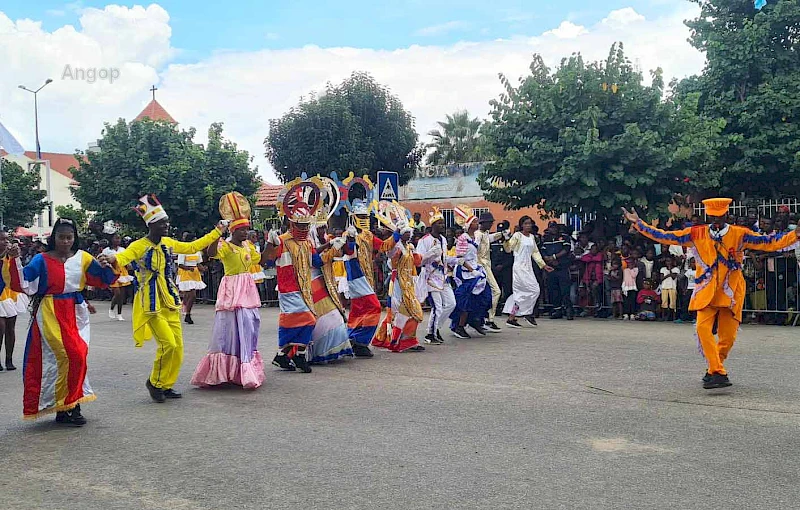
(458,140)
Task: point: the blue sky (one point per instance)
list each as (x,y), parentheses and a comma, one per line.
(200,28)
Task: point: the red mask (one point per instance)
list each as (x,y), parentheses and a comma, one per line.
(297,234)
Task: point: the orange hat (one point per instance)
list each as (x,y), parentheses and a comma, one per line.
(717,206)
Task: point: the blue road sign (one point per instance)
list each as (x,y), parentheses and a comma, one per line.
(388,186)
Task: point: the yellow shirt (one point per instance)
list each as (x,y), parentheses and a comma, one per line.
(237,259)
(157,287)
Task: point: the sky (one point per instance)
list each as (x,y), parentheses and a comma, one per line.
(245,62)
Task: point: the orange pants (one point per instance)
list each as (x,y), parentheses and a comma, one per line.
(727,327)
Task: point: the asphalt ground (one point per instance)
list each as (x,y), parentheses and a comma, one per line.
(582,414)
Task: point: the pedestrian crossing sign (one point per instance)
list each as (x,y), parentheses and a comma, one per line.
(388,186)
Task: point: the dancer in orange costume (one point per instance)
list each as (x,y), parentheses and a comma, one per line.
(719,290)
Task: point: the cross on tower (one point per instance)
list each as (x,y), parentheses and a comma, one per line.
(153,90)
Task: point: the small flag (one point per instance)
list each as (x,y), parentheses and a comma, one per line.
(8,143)
(759,4)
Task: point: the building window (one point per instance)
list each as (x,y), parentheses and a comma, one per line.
(449,218)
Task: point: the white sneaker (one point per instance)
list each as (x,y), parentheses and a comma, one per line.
(626,317)
(112,314)
(120,317)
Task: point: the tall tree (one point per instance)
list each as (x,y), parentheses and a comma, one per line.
(356,126)
(459,140)
(752,81)
(20,196)
(589,136)
(76,214)
(156,157)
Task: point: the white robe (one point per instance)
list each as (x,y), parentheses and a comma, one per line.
(524,284)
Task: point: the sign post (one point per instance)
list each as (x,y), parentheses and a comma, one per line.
(388,187)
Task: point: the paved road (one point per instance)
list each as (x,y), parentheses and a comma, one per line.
(583,414)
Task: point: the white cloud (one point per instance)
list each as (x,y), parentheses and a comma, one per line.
(567,30)
(442,28)
(245,89)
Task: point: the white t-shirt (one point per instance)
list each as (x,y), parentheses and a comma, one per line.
(691,274)
(668,283)
(648,267)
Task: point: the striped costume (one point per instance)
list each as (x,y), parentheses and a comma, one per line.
(365,309)
(295,296)
(398,332)
(54,370)
(329,341)
(12,303)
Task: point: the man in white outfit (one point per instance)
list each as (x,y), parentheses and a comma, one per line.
(432,248)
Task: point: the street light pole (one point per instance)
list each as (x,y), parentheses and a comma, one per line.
(39,147)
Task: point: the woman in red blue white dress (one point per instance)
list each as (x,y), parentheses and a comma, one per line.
(12,303)
(54,370)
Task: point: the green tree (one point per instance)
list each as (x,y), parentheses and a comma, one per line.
(752,81)
(20,196)
(356,126)
(459,140)
(76,214)
(144,157)
(587,137)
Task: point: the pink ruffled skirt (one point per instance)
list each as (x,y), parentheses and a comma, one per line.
(233,355)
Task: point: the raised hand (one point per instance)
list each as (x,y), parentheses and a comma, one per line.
(222,226)
(351,231)
(631,215)
(13,251)
(273,238)
(338,243)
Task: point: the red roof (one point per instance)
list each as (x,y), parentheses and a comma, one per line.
(154,111)
(61,163)
(267,195)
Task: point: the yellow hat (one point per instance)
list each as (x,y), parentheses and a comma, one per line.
(717,206)
(235,208)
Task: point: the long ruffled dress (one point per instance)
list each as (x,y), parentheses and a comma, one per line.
(12,303)
(233,350)
(54,368)
(398,332)
(472,293)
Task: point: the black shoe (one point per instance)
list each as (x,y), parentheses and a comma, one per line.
(491,327)
(1,368)
(416,348)
(717,381)
(170,393)
(460,332)
(556,315)
(479,329)
(71,418)
(439,337)
(282,361)
(10,366)
(156,394)
(431,339)
(512,323)
(570,317)
(361,351)
(707,377)
(188,319)
(531,320)
(301,362)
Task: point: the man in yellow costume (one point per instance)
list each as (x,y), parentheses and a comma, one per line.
(719,286)
(157,303)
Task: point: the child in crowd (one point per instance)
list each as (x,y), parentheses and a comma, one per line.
(690,273)
(648,302)
(615,284)
(592,279)
(669,289)
(631,269)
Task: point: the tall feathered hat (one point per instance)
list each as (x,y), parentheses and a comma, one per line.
(299,200)
(464,215)
(150,209)
(435,215)
(329,199)
(235,208)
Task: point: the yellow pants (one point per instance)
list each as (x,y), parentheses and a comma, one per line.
(166,328)
(727,327)
(496,292)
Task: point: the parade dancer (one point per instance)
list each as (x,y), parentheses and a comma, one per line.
(12,303)
(189,280)
(432,248)
(54,369)
(157,303)
(233,355)
(330,339)
(294,256)
(720,287)
(472,295)
(484,239)
(524,285)
(365,309)
(398,333)
(124,279)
